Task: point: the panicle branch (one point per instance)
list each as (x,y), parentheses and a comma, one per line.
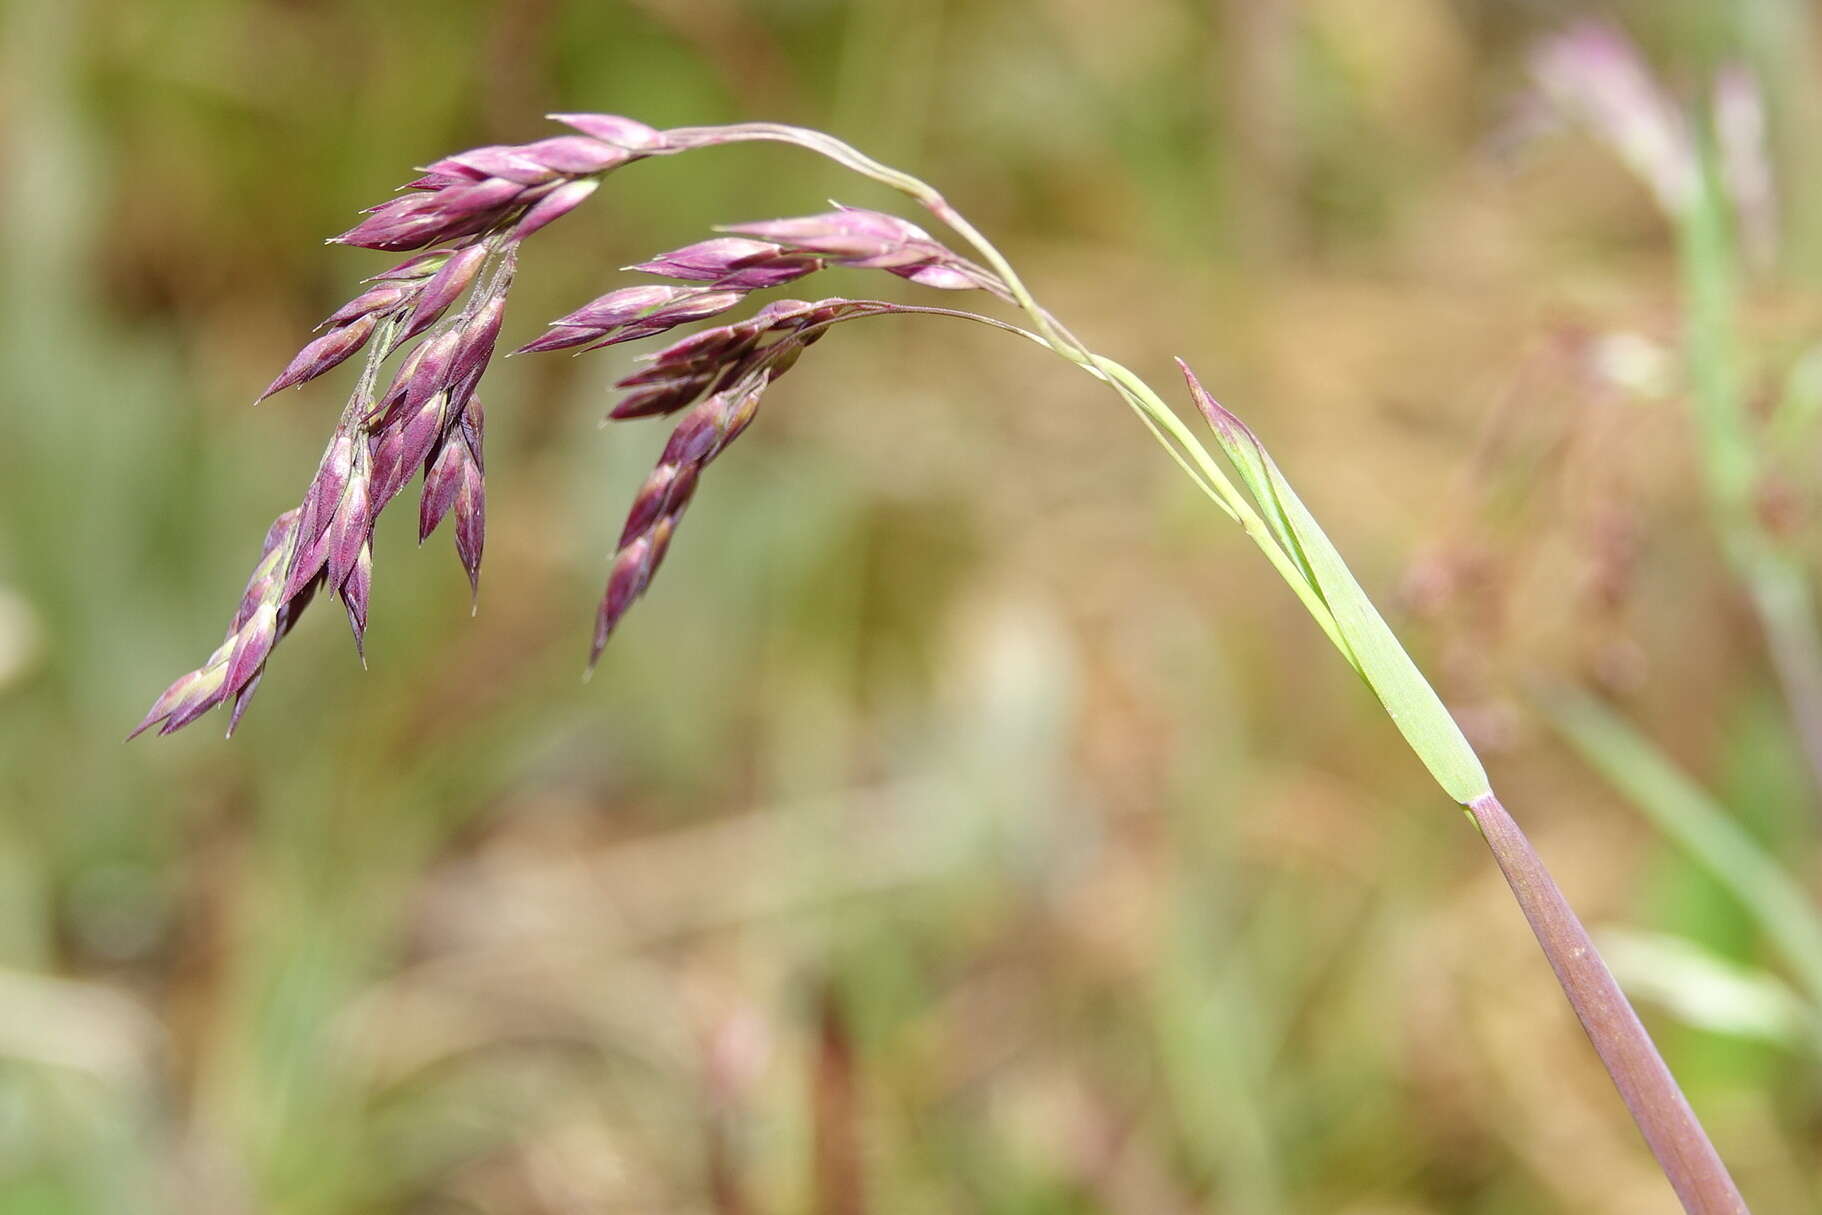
(733,364)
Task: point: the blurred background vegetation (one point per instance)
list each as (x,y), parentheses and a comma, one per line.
(967,821)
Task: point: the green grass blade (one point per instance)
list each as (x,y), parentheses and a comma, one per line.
(1374,650)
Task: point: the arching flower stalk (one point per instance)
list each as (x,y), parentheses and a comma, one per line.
(480,205)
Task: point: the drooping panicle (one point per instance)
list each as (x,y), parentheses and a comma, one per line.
(440,311)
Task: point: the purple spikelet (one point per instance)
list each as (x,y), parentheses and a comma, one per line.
(375,301)
(733,263)
(471,496)
(355,590)
(554,206)
(632,313)
(443,289)
(627,133)
(324,354)
(440,486)
(853,236)
(352,521)
(450,474)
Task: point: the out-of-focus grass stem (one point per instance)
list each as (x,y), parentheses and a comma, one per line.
(1775,581)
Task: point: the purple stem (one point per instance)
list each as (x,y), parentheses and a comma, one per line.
(1670,1127)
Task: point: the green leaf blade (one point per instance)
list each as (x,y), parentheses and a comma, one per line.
(1370,644)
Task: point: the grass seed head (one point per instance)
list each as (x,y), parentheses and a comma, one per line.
(441,311)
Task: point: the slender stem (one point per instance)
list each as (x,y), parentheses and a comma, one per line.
(1658,1106)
